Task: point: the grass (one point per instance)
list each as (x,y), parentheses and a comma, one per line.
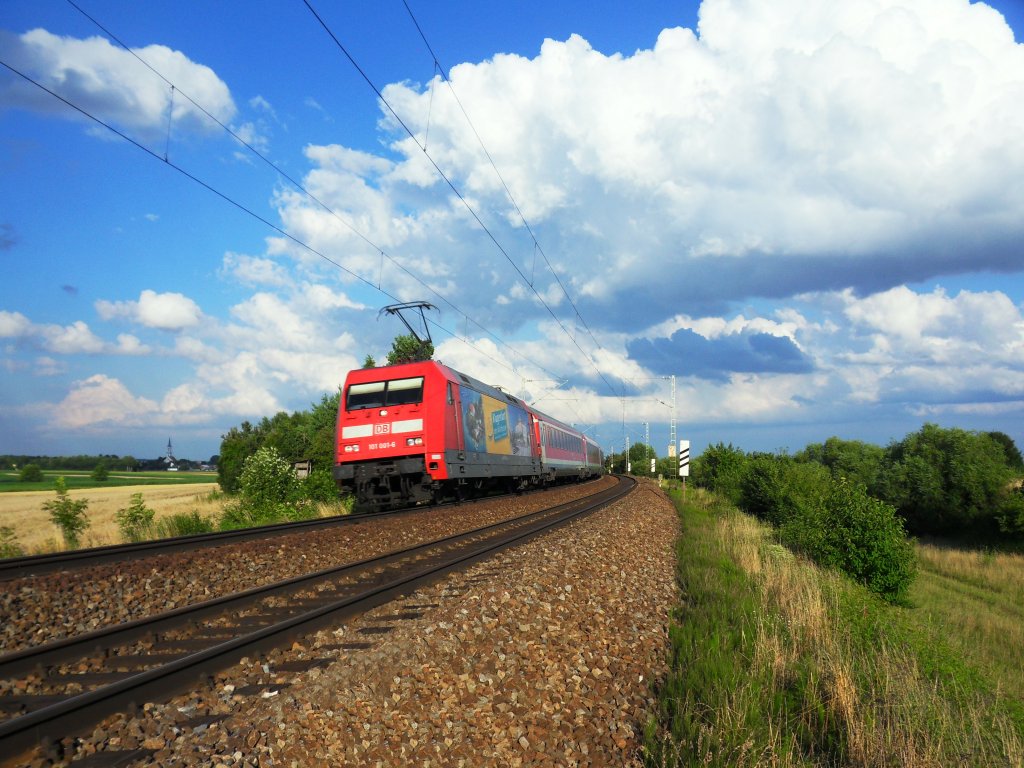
(975,599)
(777,662)
(80,479)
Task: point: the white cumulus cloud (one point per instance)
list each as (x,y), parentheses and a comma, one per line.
(13,324)
(962,330)
(784,147)
(102,400)
(164,311)
(111,83)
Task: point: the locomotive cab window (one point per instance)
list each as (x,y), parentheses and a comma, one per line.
(404,391)
(365,395)
(376,394)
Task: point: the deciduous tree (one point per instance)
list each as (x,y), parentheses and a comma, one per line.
(31,473)
(408,349)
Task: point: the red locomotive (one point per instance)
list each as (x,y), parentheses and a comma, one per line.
(423,432)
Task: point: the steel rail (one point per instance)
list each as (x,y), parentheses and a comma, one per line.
(30,565)
(33,565)
(81,711)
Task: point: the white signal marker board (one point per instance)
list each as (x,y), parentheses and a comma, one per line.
(684,458)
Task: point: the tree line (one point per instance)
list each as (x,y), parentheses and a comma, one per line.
(637,461)
(940,481)
(111,461)
(849,505)
(80,462)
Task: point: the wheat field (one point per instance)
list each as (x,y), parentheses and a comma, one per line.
(23,511)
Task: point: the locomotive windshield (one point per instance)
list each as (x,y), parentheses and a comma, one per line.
(377,394)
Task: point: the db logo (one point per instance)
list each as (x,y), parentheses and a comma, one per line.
(381,429)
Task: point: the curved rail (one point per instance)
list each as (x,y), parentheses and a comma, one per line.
(210,636)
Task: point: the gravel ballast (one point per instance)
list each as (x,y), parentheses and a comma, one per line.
(542,656)
(45,608)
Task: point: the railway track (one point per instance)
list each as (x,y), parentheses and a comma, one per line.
(35,565)
(64,687)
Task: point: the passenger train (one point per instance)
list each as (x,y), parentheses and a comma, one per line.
(422,433)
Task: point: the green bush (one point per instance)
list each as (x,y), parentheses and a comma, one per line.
(857,534)
(772,488)
(721,468)
(9,546)
(267,479)
(269,492)
(1011,512)
(136,520)
(100,472)
(31,473)
(183,524)
(856,461)
(67,514)
(319,487)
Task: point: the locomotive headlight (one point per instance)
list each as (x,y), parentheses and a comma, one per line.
(414,441)
(351,449)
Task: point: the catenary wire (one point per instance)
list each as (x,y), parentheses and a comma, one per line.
(228,199)
(299,186)
(439,67)
(457,192)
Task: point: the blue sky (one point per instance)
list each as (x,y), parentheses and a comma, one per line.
(811,217)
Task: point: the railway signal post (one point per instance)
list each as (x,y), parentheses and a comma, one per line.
(684,462)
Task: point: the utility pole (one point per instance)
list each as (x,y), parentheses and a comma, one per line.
(672,424)
(647,440)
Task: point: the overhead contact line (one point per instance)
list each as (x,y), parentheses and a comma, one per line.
(439,67)
(457,192)
(301,188)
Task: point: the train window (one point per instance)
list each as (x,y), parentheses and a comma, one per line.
(376,394)
(405,391)
(365,396)
(451,395)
